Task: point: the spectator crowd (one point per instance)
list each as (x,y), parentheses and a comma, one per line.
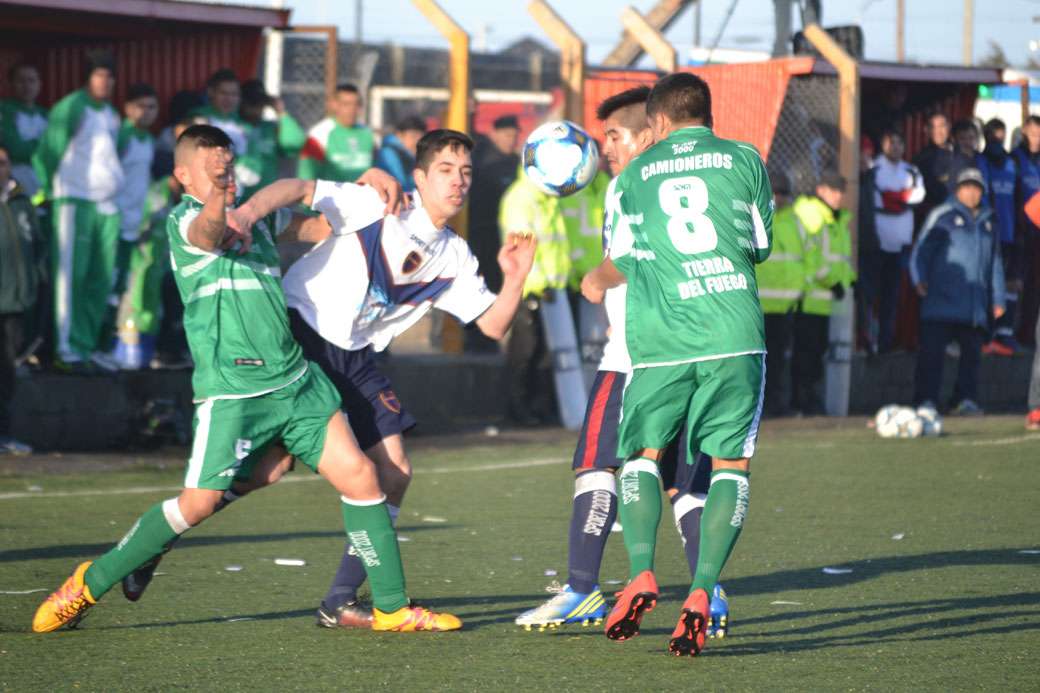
(85,191)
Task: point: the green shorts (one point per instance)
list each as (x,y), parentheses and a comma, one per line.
(231,435)
(719,401)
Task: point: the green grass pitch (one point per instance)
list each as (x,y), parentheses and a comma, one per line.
(941,537)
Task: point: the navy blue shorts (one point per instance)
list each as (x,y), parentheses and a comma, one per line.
(598,441)
(373,410)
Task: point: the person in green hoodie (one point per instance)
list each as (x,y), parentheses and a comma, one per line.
(22,262)
(136,152)
(266,140)
(22,122)
(77,163)
(223,96)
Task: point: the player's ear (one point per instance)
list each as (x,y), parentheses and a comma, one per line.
(419,176)
(182,174)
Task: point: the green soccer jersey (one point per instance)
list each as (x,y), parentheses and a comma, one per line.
(335,152)
(696,216)
(234,310)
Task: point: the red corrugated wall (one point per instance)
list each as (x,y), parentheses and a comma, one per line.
(170,62)
(746,97)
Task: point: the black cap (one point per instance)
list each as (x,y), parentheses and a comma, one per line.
(506,121)
(971,175)
(833,180)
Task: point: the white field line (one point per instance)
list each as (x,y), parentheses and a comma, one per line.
(16,495)
(1013,440)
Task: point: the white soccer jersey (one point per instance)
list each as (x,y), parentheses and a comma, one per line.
(615,353)
(377,274)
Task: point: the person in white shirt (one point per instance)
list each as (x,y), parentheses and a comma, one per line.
(899,187)
(372,278)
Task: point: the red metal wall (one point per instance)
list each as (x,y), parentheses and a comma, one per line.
(747,97)
(601,84)
(170,62)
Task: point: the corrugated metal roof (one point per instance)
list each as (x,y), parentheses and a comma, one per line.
(174,10)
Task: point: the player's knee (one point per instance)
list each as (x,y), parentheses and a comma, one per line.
(196,504)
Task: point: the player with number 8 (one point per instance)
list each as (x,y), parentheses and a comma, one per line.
(696,216)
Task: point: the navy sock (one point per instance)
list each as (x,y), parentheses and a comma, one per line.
(351,573)
(595,509)
(688,508)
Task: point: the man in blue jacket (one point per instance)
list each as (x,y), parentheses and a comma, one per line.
(397,154)
(956,269)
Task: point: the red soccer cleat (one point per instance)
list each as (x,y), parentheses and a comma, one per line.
(638,597)
(1033,420)
(688,637)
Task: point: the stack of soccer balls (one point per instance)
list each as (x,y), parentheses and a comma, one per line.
(895,421)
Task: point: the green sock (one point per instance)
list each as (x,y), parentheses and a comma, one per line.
(723,518)
(373,536)
(640,512)
(159,526)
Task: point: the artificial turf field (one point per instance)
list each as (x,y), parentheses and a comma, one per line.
(940,538)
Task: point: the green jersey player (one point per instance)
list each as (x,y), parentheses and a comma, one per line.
(696,216)
(252,387)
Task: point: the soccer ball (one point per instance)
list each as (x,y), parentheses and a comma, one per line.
(930,420)
(560,158)
(894,421)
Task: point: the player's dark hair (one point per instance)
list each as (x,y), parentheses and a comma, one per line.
(993,125)
(98,60)
(1032,120)
(224,74)
(436,141)
(348,88)
(411,123)
(202,137)
(630,97)
(13,71)
(964,125)
(682,97)
(889,133)
(140,90)
(254,93)
(933,114)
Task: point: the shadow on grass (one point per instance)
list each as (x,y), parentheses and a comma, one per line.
(93,550)
(929,620)
(866,569)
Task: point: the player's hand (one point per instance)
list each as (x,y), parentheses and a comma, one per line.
(517,255)
(998,312)
(220,168)
(389,189)
(233,237)
(591,291)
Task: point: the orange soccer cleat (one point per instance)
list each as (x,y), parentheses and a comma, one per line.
(413,618)
(66,605)
(638,597)
(688,636)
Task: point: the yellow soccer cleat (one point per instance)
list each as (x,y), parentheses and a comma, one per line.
(412,618)
(66,605)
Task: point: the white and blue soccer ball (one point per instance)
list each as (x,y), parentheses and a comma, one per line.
(930,420)
(894,421)
(560,158)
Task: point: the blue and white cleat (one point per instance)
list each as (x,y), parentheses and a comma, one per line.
(564,607)
(718,621)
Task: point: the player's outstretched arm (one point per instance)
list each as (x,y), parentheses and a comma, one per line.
(209,230)
(515,258)
(594,285)
(281,193)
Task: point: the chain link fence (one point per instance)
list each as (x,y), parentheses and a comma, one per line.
(805,143)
